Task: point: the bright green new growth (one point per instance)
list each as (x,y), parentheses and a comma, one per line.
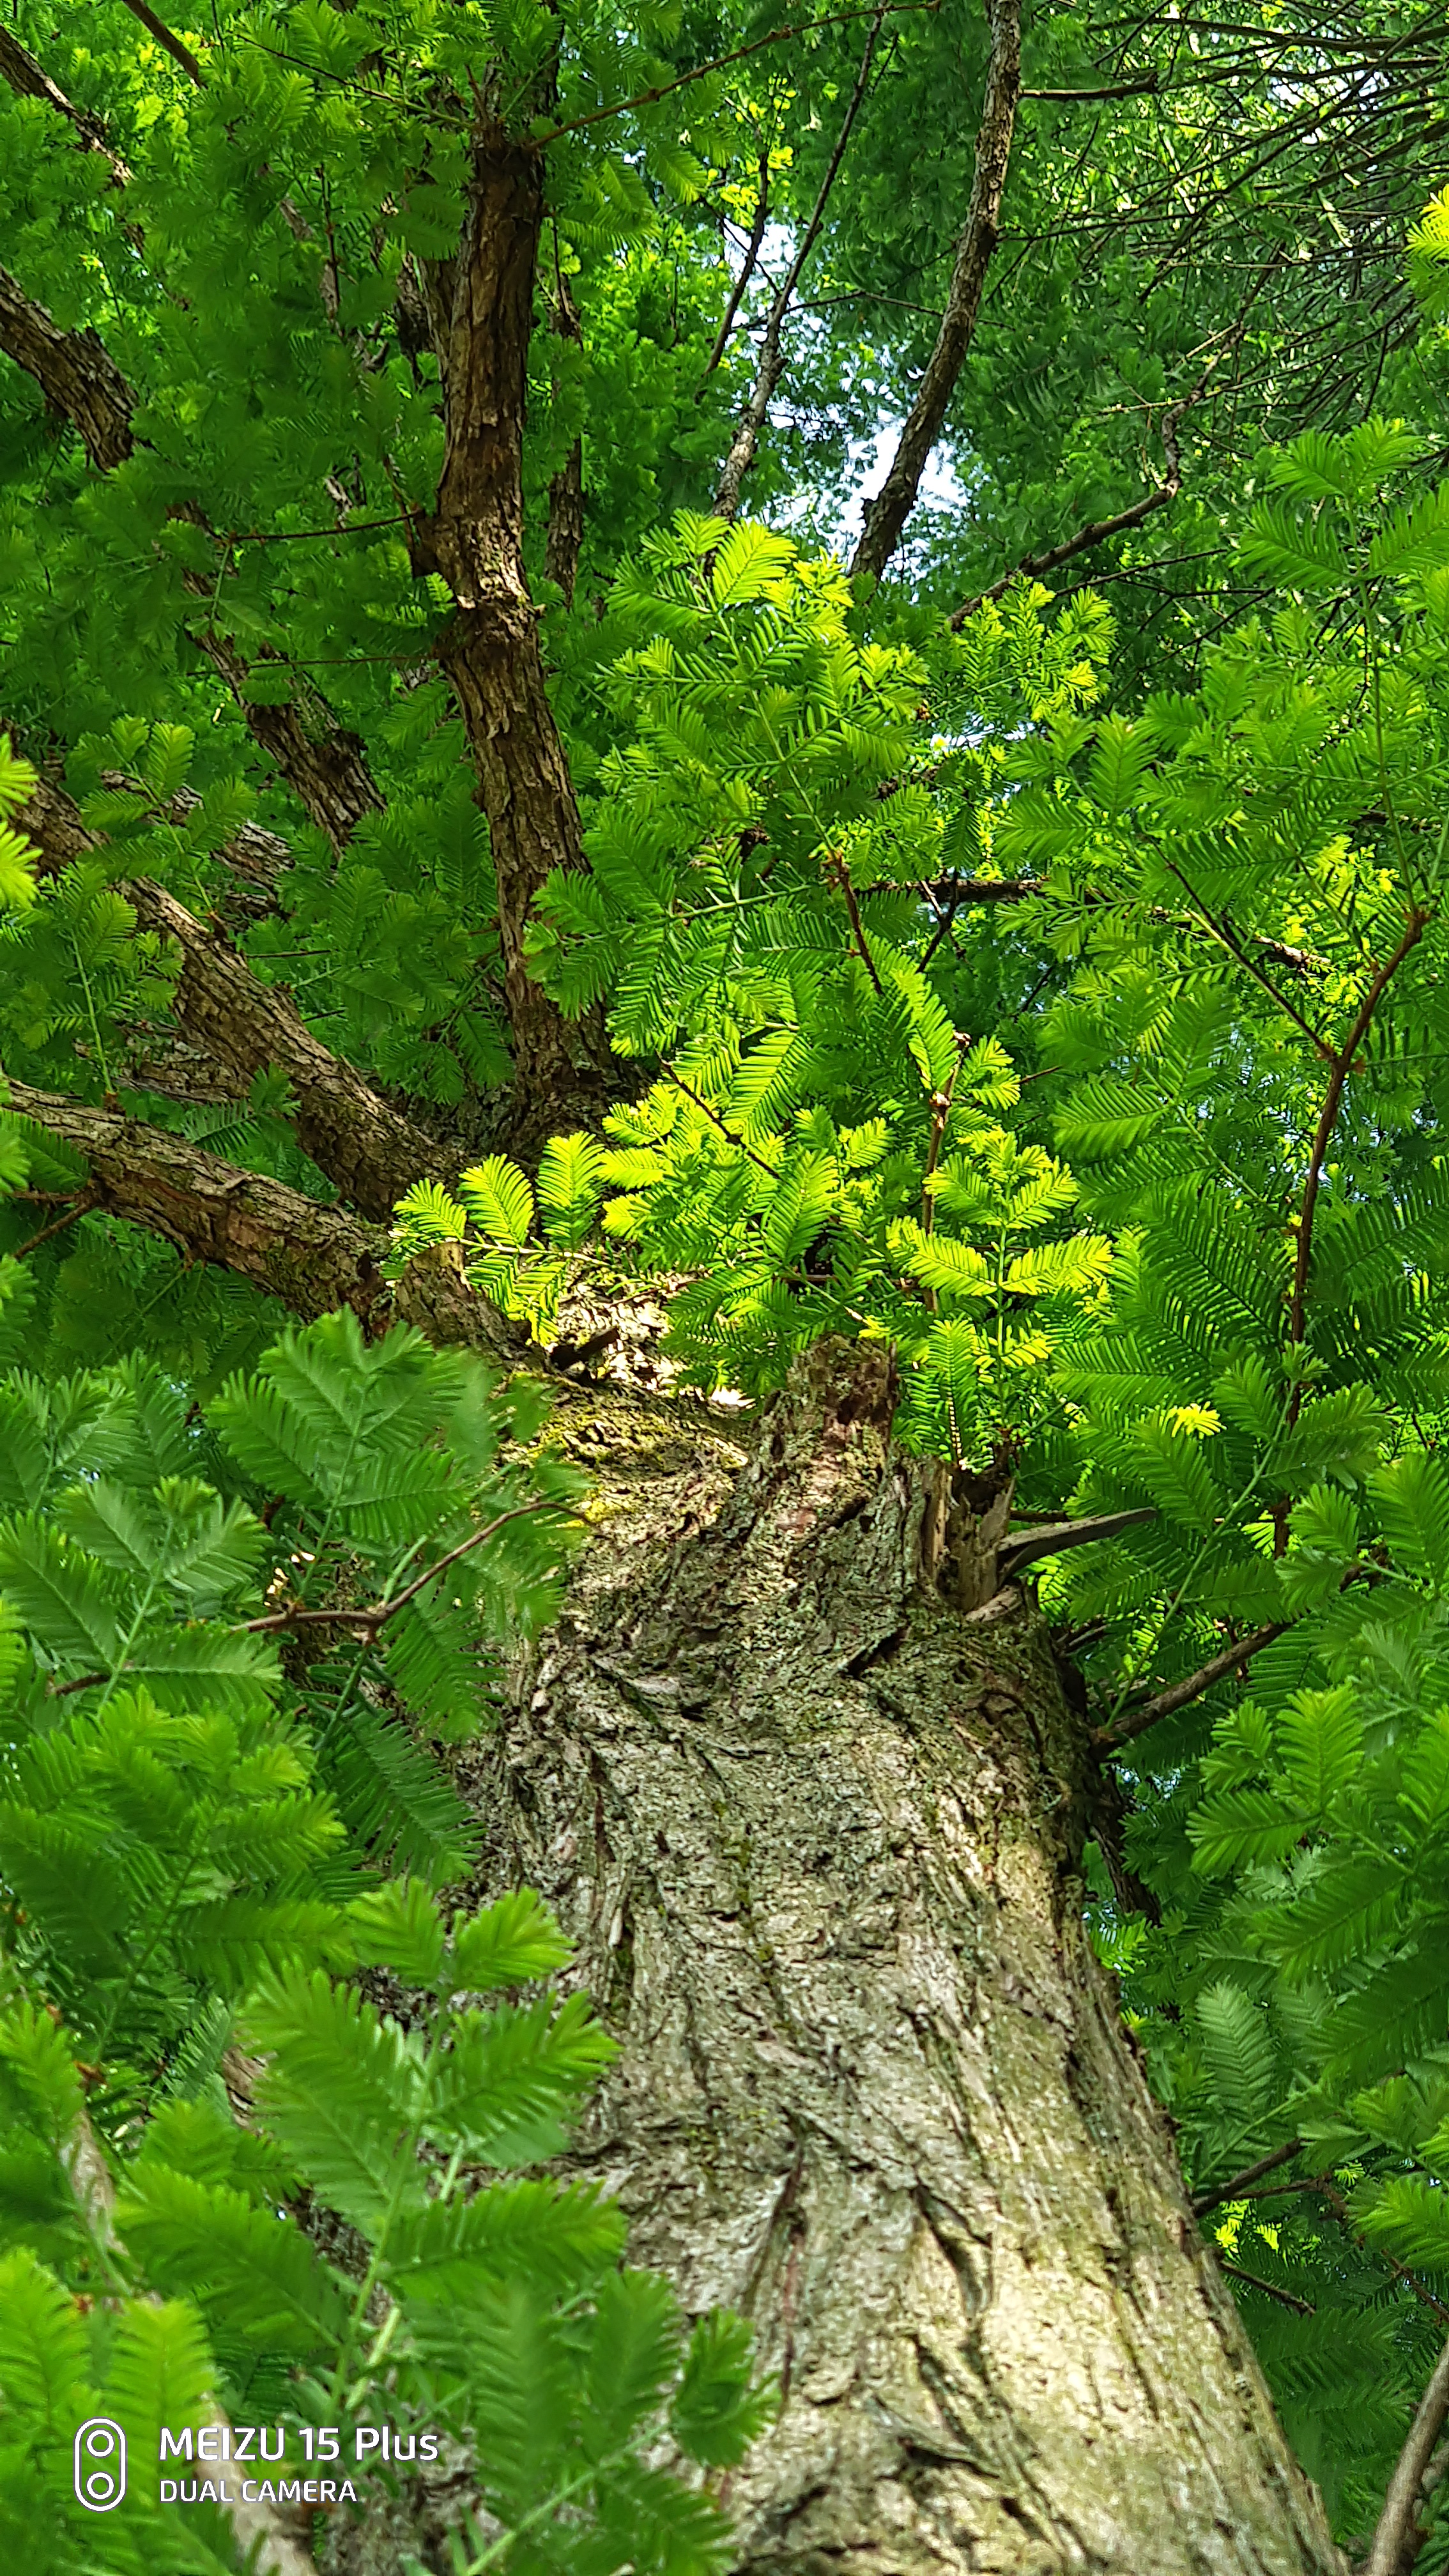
(1156,1272)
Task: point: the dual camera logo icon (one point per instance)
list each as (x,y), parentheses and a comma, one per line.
(100,2464)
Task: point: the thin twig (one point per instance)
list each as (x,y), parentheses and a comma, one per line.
(727,1132)
(802,27)
(78,1207)
(1396,2521)
(377,1614)
(1144,88)
(1418,923)
(1223,930)
(1333,2198)
(839,876)
(752,253)
(1234,2189)
(1270,2289)
(1099,531)
(1110,1739)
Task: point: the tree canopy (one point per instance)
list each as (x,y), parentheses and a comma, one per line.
(678,684)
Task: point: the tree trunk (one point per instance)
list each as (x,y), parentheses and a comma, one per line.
(817,1833)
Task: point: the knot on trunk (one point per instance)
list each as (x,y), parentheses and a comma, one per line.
(827,1478)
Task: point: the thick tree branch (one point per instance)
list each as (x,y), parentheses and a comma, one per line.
(30,79)
(1395,2528)
(74,373)
(254,857)
(352,1134)
(323,762)
(772,355)
(490,647)
(179,52)
(887,513)
(289,1246)
(364,1146)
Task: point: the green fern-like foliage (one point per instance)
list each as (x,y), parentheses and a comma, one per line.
(1177,1227)
(194,1810)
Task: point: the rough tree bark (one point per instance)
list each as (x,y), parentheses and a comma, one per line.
(817,1832)
(490,646)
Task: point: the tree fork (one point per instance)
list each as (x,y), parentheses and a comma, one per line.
(817,1833)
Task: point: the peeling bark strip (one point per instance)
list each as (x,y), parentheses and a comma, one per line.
(887,513)
(566,487)
(311,1257)
(490,648)
(818,1833)
(352,1134)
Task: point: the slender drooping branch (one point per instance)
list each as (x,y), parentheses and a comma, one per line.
(1395,2527)
(1415,928)
(887,514)
(1098,532)
(1238,2183)
(322,762)
(737,291)
(772,355)
(1110,1739)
